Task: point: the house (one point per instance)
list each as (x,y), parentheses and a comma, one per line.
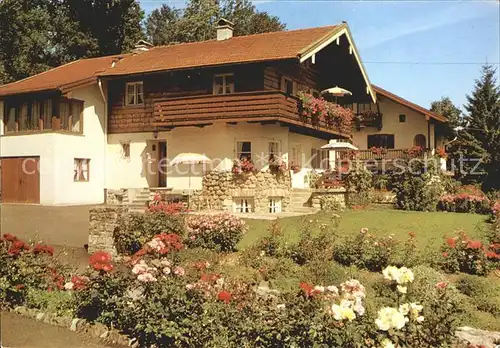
(105,129)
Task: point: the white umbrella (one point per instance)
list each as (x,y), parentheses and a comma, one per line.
(190,158)
(342,145)
(337,91)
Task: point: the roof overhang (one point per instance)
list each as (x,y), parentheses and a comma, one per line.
(335,34)
(426,112)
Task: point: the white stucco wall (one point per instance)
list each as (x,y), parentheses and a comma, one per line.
(404,132)
(217,142)
(57,152)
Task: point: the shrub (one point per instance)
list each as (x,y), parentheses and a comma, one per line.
(57,302)
(219,232)
(358,182)
(26,267)
(313,244)
(365,250)
(465,203)
(330,203)
(462,254)
(136,229)
(484,293)
(417,186)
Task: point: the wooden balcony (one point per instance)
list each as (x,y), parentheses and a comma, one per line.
(368,119)
(385,154)
(260,106)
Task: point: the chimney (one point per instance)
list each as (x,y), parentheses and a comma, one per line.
(224,29)
(142,46)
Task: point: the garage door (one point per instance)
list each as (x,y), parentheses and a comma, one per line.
(20,180)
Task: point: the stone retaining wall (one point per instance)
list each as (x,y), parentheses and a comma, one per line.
(221,188)
(103,221)
(326,199)
(116,197)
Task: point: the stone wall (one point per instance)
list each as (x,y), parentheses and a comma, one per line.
(323,199)
(221,188)
(116,197)
(103,221)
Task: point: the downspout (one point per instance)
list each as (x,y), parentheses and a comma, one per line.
(105,144)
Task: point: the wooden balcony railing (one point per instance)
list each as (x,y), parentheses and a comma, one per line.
(385,154)
(237,107)
(368,119)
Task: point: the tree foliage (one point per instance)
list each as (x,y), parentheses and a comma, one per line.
(446,108)
(197,22)
(36,35)
(480,138)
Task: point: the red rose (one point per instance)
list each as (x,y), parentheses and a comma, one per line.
(224,296)
(451,242)
(441,285)
(445,254)
(474,244)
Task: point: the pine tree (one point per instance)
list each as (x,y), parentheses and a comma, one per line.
(481,137)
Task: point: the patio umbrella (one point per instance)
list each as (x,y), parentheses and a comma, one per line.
(336,92)
(190,158)
(342,145)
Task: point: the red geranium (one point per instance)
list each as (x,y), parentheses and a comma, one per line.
(9,237)
(17,247)
(79,282)
(101,261)
(474,244)
(41,248)
(224,296)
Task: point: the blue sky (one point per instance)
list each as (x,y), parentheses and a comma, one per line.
(420,50)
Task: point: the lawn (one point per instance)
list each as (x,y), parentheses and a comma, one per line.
(430,227)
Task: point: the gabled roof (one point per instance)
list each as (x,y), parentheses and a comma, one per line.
(409,104)
(63,78)
(239,49)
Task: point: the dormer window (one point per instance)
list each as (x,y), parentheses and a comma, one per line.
(223,84)
(134,93)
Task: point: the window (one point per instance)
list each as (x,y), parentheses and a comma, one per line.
(320,159)
(402,118)
(381,140)
(296,156)
(420,140)
(11,120)
(134,93)
(242,205)
(126,150)
(244,150)
(275,205)
(287,86)
(223,84)
(274,150)
(82,170)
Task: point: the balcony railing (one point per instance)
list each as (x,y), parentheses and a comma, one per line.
(368,119)
(249,106)
(385,154)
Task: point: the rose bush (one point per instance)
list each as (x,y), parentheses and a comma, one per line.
(220,232)
(463,254)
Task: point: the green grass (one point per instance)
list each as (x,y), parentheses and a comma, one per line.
(430,227)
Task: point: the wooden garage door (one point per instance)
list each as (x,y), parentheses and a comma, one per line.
(20,180)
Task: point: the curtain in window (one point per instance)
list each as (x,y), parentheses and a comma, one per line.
(11,121)
(23,118)
(35,115)
(46,107)
(76,115)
